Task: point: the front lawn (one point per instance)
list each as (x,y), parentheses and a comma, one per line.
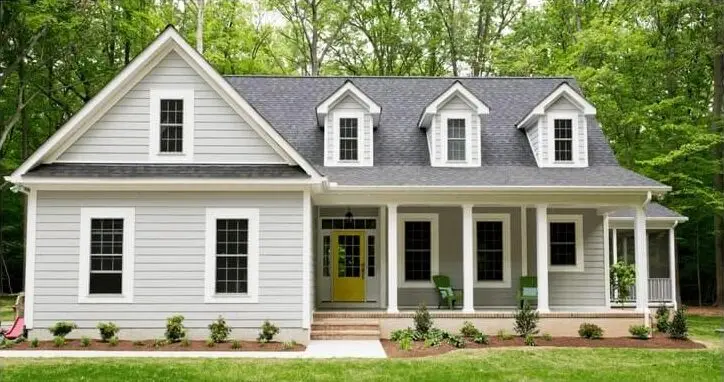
(466,365)
(7,314)
(702,327)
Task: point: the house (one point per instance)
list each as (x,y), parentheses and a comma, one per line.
(304,199)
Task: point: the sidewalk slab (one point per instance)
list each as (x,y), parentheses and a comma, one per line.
(345,349)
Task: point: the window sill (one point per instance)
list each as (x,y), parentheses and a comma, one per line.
(565,268)
(492,284)
(105,299)
(231,299)
(416,285)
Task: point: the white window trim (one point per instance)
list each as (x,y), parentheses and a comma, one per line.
(129,223)
(576,160)
(155,154)
(505,219)
(434,242)
(252,295)
(578,221)
(336,134)
(444,117)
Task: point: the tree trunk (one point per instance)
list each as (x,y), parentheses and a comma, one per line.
(716,126)
(200,26)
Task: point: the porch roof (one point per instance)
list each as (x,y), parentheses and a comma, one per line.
(230,171)
(653,211)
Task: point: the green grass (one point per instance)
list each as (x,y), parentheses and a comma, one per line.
(501,365)
(702,328)
(6,309)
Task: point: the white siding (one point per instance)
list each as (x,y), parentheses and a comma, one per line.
(169,259)
(348,104)
(456,105)
(532,133)
(122,134)
(541,134)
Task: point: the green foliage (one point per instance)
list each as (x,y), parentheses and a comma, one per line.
(590,331)
(175,329)
(58,341)
(423,320)
(185,342)
(219,330)
(547,337)
(526,320)
(235,344)
(267,333)
(456,340)
(529,340)
(108,330)
(405,343)
(113,341)
(399,334)
(288,345)
(623,277)
(6,343)
(62,328)
(504,335)
(662,319)
(85,342)
(481,338)
(639,331)
(210,342)
(158,342)
(139,343)
(679,328)
(469,330)
(34,343)
(434,337)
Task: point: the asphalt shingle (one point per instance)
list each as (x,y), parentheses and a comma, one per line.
(73,170)
(652,210)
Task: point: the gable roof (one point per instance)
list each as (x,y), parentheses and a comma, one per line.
(169,40)
(401,153)
(564,90)
(457,89)
(653,211)
(348,89)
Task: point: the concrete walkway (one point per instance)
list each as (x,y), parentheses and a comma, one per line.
(315,349)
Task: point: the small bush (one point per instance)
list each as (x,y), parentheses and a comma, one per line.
(34,343)
(662,319)
(267,333)
(62,328)
(547,337)
(157,343)
(6,343)
(20,340)
(529,340)
(469,330)
(481,338)
(399,334)
(113,341)
(405,343)
(210,343)
(288,345)
(678,328)
(58,341)
(526,321)
(175,329)
(456,341)
(139,343)
(185,342)
(85,342)
(639,331)
(590,331)
(504,335)
(434,337)
(108,330)
(235,344)
(423,320)
(219,330)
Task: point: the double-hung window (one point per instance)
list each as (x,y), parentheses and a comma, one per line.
(106,258)
(418,248)
(348,139)
(172,125)
(566,242)
(492,250)
(232,248)
(563,140)
(456,141)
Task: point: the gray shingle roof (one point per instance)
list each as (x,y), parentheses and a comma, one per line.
(400,147)
(653,210)
(73,170)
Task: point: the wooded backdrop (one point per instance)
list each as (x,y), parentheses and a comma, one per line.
(653,68)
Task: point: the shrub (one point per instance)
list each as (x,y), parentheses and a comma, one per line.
(456,341)
(185,342)
(58,341)
(481,338)
(85,342)
(210,343)
(6,343)
(623,276)
(399,334)
(639,331)
(138,343)
(423,320)
(288,345)
(504,335)
(34,343)
(529,340)
(175,329)
(469,330)
(434,337)
(547,337)
(662,319)
(235,344)
(590,331)
(678,328)
(62,328)
(405,343)
(268,331)
(526,321)
(219,330)
(108,330)
(113,341)
(157,343)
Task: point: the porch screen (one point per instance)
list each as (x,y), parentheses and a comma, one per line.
(418,250)
(490,250)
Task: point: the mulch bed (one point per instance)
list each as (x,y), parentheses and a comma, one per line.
(149,345)
(419,350)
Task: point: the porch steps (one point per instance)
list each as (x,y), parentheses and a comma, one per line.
(345,328)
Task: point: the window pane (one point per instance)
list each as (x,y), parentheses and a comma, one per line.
(370,256)
(563,243)
(326,252)
(456,139)
(418,250)
(232,249)
(171,126)
(563,139)
(105,283)
(490,250)
(349,256)
(106,236)
(348,138)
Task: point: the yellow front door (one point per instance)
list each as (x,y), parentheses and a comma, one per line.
(348,265)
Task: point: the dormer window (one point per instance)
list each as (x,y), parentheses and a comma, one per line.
(348,139)
(172,125)
(563,140)
(456,139)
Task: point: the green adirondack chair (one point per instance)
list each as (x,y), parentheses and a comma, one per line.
(528,290)
(448,295)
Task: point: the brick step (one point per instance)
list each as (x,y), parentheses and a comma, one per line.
(349,334)
(333,326)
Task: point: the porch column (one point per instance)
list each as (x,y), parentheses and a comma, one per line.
(468,271)
(392,258)
(642,263)
(672,264)
(541,242)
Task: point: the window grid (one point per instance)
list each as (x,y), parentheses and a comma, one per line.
(344,223)
(456,139)
(106,256)
(348,142)
(418,250)
(490,250)
(563,140)
(370,256)
(232,250)
(349,262)
(326,252)
(563,243)
(171,126)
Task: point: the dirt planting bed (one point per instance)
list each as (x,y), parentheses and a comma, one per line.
(150,345)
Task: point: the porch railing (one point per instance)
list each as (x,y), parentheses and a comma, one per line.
(659,290)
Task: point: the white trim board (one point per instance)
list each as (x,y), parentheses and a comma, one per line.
(433,218)
(30,226)
(154,146)
(578,221)
(503,218)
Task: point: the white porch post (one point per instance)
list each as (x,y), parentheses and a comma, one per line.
(642,263)
(468,271)
(392,258)
(672,264)
(541,241)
